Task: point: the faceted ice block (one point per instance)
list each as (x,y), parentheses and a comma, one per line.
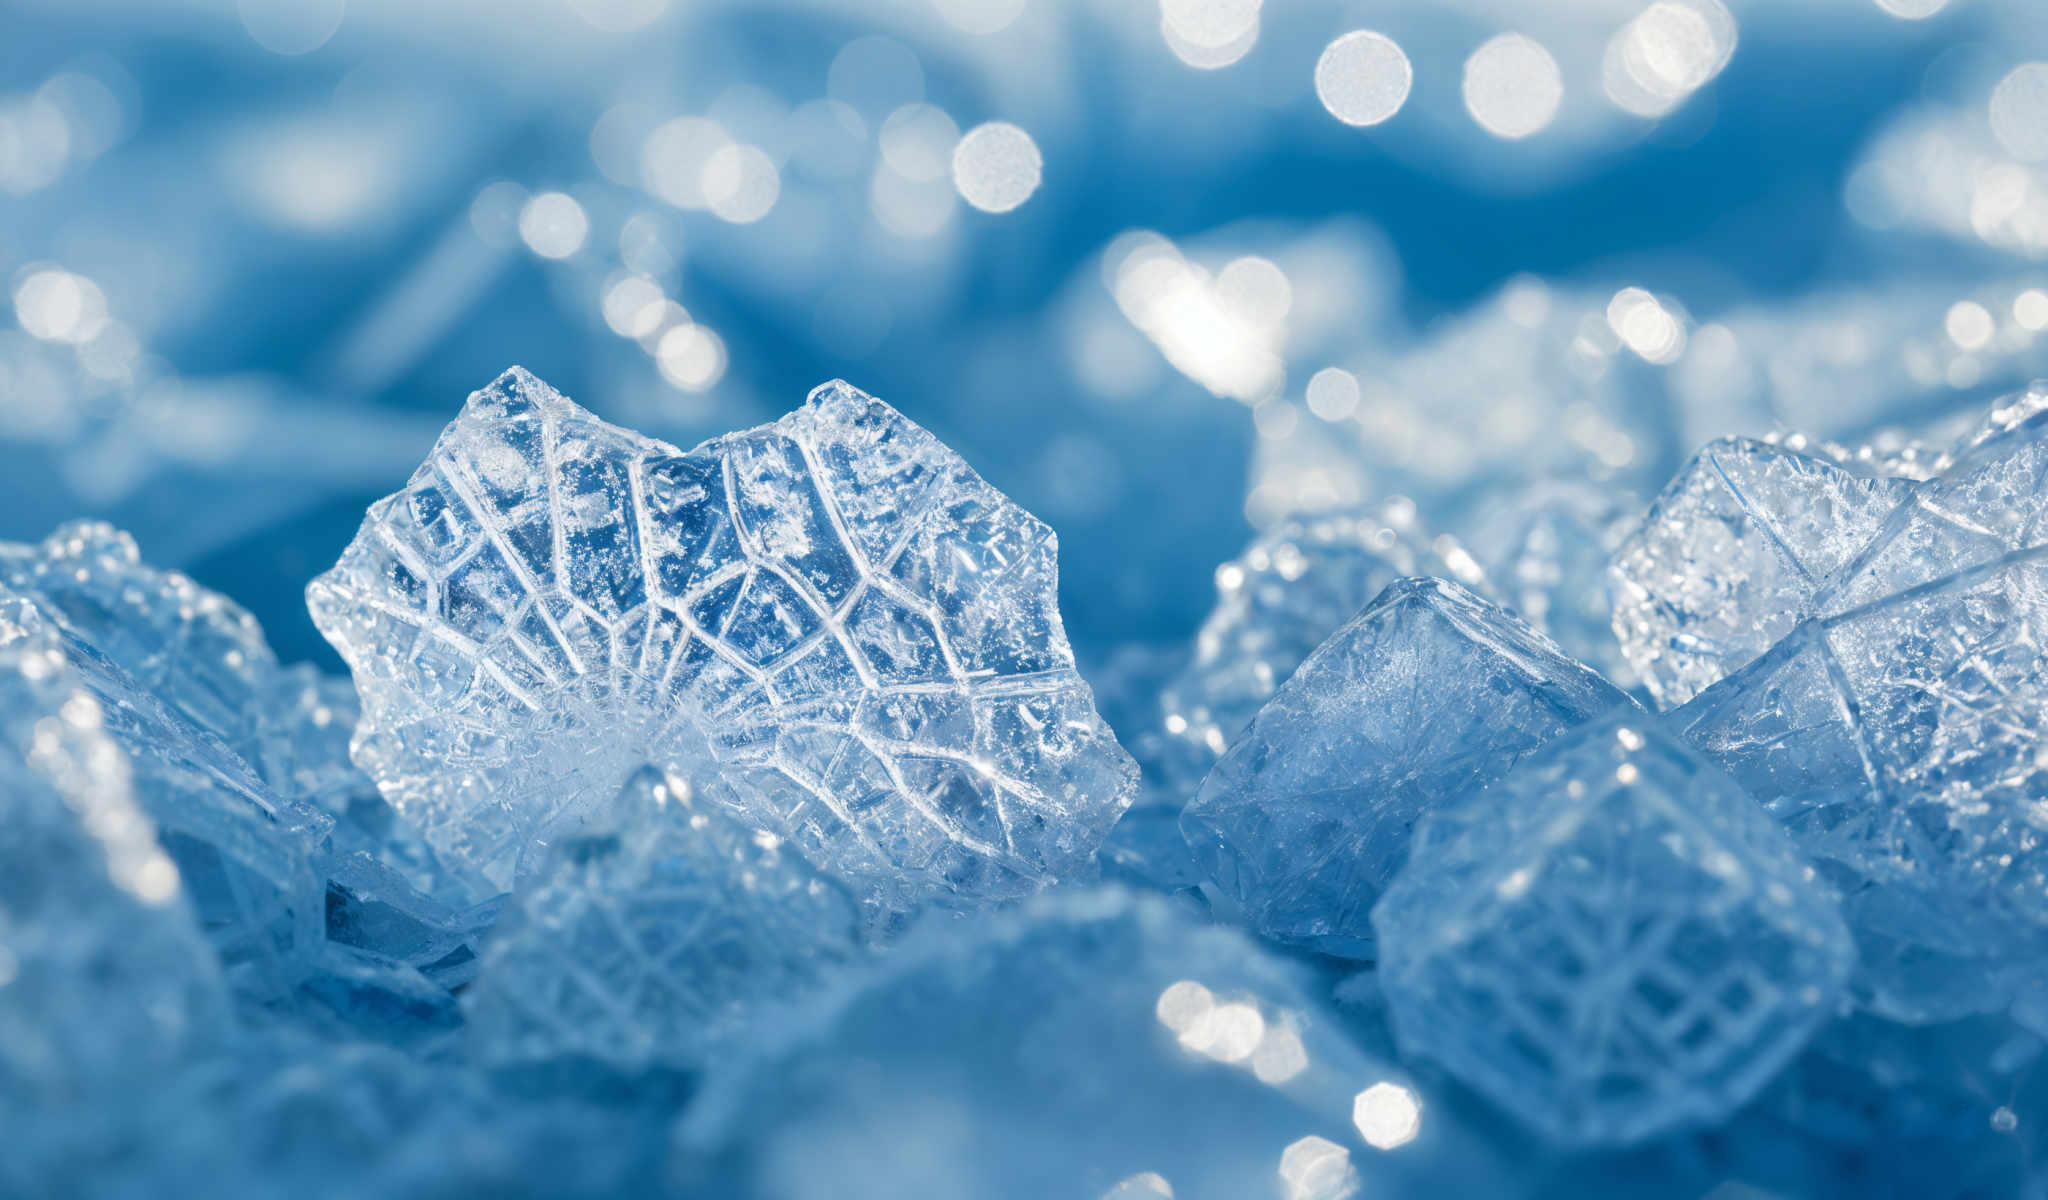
(653,933)
(1902,744)
(865,632)
(1611,940)
(1733,553)
(106,986)
(1082,1039)
(1275,603)
(1428,692)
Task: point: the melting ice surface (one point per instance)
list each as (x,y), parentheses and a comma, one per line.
(835,608)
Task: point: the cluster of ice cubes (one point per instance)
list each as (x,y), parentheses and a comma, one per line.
(737,822)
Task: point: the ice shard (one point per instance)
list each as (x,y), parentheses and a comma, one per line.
(863,631)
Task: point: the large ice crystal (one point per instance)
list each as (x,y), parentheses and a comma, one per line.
(1897,730)
(1611,940)
(864,632)
(1275,603)
(1090,1037)
(652,932)
(1427,693)
(105,984)
(1733,553)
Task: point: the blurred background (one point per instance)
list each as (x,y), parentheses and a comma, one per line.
(1166,271)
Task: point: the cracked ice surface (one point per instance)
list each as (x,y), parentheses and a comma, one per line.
(1611,939)
(861,632)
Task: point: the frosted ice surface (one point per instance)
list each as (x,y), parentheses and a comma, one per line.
(652,933)
(865,632)
(1611,940)
(1546,550)
(1275,603)
(1427,693)
(1086,1037)
(105,983)
(1732,554)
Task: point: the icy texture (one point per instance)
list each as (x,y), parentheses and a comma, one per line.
(339,1122)
(1087,1038)
(241,765)
(1275,603)
(105,983)
(1898,732)
(1546,551)
(1427,693)
(1731,555)
(865,631)
(652,933)
(169,665)
(1611,940)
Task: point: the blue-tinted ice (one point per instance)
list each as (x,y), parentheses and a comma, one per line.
(652,934)
(1079,1044)
(1427,693)
(1611,940)
(1897,730)
(106,986)
(1275,603)
(864,632)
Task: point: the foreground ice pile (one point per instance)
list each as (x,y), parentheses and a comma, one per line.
(735,822)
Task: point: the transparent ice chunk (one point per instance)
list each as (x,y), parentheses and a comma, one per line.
(1611,940)
(865,632)
(1427,693)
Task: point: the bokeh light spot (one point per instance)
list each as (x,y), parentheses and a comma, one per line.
(996,167)
(553,225)
(1512,86)
(2019,112)
(1387,1115)
(1363,78)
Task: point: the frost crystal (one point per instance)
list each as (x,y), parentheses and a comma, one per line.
(1275,603)
(1611,940)
(864,632)
(653,930)
(1426,693)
